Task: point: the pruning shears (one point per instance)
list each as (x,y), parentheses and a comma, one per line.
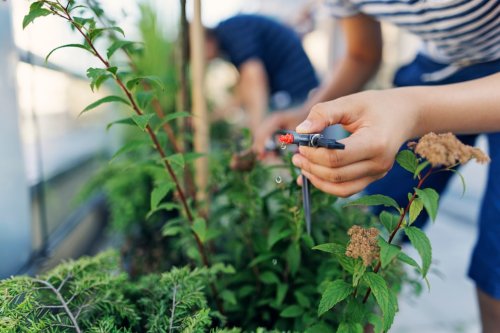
(310,140)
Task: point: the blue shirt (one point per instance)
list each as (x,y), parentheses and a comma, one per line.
(245,37)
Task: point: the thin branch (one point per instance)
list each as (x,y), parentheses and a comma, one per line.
(63,303)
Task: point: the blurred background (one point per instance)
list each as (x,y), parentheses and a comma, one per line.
(49,153)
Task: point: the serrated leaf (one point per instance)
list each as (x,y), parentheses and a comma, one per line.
(293,257)
(292,311)
(159,193)
(153,80)
(269,277)
(422,244)
(177,159)
(415,209)
(381,293)
(80,46)
(430,200)
(419,168)
(200,228)
(120,44)
(350,328)
(97,77)
(387,252)
(107,99)
(35,12)
(407,160)
(389,221)
(374,200)
(334,293)
(142,121)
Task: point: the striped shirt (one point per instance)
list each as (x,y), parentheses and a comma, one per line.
(455,32)
(289,70)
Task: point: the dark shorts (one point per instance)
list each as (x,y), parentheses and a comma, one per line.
(485,263)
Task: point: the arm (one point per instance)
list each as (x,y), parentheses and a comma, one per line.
(381,121)
(253,91)
(362,58)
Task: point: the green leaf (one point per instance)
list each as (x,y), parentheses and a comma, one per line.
(177,159)
(94,33)
(142,120)
(387,252)
(389,221)
(293,257)
(376,321)
(331,248)
(130,146)
(407,160)
(350,328)
(334,293)
(374,200)
(159,193)
(281,291)
(228,296)
(35,11)
(381,292)
(422,244)
(171,230)
(262,258)
(120,44)
(97,77)
(409,260)
(80,46)
(419,168)
(153,80)
(302,299)
(462,179)
(107,99)
(269,277)
(359,270)
(200,228)
(319,328)
(173,116)
(415,209)
(123,121)
(292,311)
(144,98)
(168,206)
(275,235)
(430,200)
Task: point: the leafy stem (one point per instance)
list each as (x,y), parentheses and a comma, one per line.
(400,222)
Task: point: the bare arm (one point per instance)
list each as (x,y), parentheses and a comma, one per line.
(253,91)
(381,121)
(362,58)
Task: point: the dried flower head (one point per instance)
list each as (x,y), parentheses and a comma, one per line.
(447,150)
(363,244)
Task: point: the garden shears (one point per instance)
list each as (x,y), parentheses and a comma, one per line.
(310,140)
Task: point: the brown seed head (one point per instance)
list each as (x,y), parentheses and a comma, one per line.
(447,150)
(363,244)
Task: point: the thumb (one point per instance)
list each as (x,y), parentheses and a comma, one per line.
(321,116)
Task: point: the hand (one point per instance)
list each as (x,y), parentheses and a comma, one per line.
(274,122)
(380,122)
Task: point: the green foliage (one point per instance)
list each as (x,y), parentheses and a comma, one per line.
(335,292)
(422,244)
(429,198)
(375,200)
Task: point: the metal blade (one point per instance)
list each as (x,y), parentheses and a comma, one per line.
(306,203)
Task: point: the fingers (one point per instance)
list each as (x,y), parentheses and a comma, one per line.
(359,146)
(344,189)
(342,174)
(323,115)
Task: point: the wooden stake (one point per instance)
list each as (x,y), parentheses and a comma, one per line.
(200,116)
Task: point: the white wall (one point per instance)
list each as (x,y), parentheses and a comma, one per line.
(15,237)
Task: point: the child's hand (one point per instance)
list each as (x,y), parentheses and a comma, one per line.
(380,122)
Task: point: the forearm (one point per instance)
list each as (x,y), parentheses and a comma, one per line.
(254,92)
(469,107)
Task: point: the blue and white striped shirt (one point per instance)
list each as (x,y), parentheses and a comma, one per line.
(455,32)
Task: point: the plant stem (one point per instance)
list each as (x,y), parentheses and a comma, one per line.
(172,313)
(401,219)
(159,149)
(63,302)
